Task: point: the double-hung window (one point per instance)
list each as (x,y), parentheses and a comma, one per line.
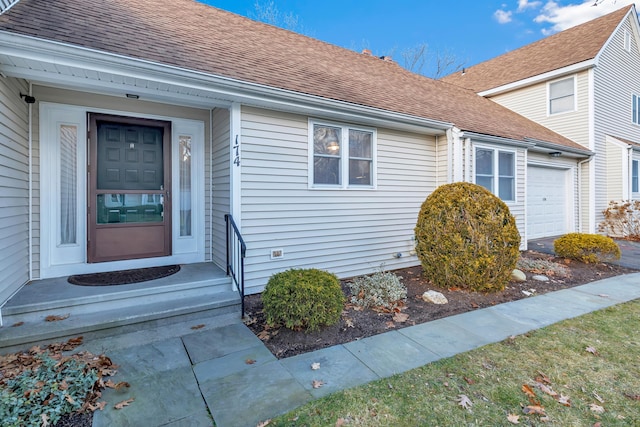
(562,96)
(495,171)
(634,176)
(343,156)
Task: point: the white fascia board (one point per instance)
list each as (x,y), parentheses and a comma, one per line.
(571,69)
(479,137)
(233,90)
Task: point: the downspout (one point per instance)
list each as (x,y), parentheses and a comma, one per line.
(211,189)
(580,163)
(630,172)
(455,154)
(30,184)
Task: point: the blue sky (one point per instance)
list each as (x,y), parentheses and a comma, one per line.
(473,31)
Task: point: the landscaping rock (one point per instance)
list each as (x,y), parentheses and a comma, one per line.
(540,278)
(518,276)
(434,297)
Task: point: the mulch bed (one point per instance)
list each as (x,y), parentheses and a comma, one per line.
(356,324)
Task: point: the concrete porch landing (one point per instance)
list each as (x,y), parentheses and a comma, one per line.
(197,290)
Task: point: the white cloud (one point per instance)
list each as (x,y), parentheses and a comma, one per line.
(502,16)
(526,4)
(563,17)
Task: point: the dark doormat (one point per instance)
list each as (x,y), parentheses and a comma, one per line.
(123,277)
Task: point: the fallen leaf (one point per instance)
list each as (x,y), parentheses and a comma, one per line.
(546,389)
(45,420)
(464,401)
(315,366)
(69,399)
(598,424)
(54,318)
(264,423)
(340,422)
(543,378)
(349,323)
(264,335)
(400,317)
(527,293)
(474,305)
(596,408)
(603,295)
(534,410)
(513,419)
(15,325)
(122,385)
(389,325)
(200,326)
(469,380)
(526,389)
(564,400)
(110,384)
(632,396)
(124,403)
(317,383)
(250,361)
(597,396)
(101,405)
(592,350)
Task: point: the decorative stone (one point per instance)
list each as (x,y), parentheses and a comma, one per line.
(540,278)
(518,276)
(434,297)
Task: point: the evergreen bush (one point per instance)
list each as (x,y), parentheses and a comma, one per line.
(588,248)
(466,238)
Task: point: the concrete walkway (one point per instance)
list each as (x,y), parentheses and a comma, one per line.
(179,376)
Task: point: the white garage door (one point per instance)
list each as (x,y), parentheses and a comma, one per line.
(546,202)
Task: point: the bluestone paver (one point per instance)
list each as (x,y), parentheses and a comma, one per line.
(231,363)
(443,337)
(219,342)
(390,353)
(338,369)
(489,325)
(253,395)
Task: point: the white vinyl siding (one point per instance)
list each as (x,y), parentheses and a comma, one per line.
(221,185)
(345,232)
(531,103)
(616,80)
(617,167)
(14,187)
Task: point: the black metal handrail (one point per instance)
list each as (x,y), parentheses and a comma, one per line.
(236,252)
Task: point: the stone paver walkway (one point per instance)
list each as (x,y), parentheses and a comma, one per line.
(179,378)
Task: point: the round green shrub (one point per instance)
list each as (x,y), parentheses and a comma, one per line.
(588,248)
(303,299)
(467,238)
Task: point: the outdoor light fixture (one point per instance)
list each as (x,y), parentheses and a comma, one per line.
(28,98)
(555,154)
(133,96)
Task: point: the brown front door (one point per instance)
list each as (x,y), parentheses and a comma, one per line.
(129,180)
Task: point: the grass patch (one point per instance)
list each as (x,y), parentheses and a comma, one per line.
(591,362)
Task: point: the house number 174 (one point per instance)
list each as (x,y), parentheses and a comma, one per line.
(236,152)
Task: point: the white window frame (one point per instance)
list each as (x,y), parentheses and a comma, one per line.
(575,96)
(496,169)
(635,108)
(635,179)
(344,157)
(627,41)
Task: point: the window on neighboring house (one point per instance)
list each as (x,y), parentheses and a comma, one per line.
(634,176)
(562,96)
(495,171)
(627,41)
(635,107)
(342,151)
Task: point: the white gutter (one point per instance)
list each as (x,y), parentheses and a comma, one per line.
(571,69)
(30,184)
(67,55)
(499,140)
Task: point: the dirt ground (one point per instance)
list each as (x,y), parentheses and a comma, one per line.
(356,323)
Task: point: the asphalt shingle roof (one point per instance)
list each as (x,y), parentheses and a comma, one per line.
(572,46)
(195,36)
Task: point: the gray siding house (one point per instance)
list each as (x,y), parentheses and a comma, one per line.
(130,128)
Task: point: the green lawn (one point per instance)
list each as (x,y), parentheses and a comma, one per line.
(591,362)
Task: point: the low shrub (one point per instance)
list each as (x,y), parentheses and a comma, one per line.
(543,266)
(467,238)
(588,248)
(303,299)
(622,220)
(40,396)
(381,289)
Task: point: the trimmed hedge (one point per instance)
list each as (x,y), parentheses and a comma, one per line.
(303,299)
(467,238)
(588,248)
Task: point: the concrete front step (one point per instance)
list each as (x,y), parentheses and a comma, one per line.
(113,321)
